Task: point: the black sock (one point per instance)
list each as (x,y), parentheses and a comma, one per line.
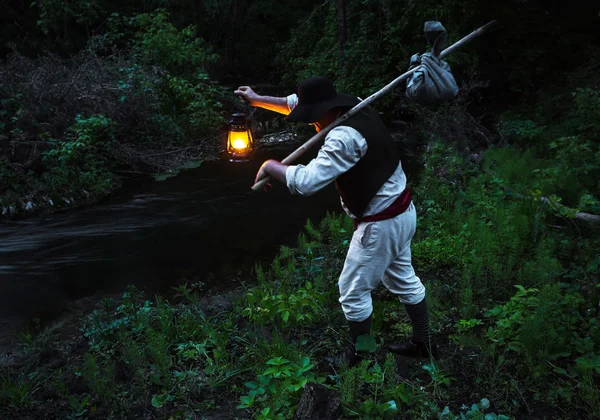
(359,328)
(420,321)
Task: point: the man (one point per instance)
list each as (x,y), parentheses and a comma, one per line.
(360,157)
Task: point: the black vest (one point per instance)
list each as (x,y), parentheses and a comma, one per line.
(358,186)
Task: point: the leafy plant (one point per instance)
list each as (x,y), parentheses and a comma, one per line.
(476,412)
(545,328)
(78,408)
(438,376)
(16,391)
(158,42)
(99,379)
(83,160)
(278,387)
(301,307)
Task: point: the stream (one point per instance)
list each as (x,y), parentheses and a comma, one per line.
(205,225)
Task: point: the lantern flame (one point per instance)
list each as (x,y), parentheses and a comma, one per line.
(239,144)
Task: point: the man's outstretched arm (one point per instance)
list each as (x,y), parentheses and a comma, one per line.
(271,103)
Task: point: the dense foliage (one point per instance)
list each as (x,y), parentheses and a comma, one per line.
(90,90)
(73,124)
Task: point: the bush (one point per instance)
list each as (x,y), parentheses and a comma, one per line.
(83,161)
(157,42)
(544,325)
(552,338)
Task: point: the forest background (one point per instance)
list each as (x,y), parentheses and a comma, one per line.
(93,92)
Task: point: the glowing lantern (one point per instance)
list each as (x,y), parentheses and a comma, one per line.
(239,139)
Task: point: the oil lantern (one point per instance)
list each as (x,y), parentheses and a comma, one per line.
(239,139)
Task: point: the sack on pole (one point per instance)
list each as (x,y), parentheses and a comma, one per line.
(433,83)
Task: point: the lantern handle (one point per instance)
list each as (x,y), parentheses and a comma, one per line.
(386,89)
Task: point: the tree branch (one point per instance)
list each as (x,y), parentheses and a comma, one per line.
(586,217)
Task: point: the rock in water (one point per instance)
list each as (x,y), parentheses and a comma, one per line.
(318,403)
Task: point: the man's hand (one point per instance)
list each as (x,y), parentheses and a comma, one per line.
(271,168)
(262,172)
(246,93)
(271,103)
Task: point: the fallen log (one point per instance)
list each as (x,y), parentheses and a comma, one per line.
(586,217)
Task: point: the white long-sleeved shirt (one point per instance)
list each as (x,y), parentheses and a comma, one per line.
(343,148)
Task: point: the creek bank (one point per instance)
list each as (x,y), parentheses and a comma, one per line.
(161,165)
(14,206)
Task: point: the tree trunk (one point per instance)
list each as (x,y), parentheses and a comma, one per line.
(341,20)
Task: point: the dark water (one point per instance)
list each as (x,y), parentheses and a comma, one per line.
(203,225)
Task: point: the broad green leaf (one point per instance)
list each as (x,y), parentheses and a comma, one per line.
(278,361)
(158,401)
(561,371)
(392,408)
(246,402)
(366,343)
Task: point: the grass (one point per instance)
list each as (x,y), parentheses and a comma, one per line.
(512,293)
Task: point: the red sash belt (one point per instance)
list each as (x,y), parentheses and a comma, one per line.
(399,206)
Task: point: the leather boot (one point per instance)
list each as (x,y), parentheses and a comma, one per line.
(349,356)
(411,349)
(420,343)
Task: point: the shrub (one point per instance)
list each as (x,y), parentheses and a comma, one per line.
(83,161)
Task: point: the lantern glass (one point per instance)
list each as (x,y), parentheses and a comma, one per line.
(239,138)
(239,141)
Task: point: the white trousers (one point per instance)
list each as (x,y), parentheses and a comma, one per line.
(380,251)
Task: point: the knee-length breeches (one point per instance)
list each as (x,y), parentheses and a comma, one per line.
(380,251)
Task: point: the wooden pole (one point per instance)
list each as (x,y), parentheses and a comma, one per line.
(321,134)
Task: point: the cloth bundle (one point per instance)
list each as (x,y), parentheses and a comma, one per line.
(433,83)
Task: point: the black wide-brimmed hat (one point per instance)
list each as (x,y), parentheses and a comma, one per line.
(316,96)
